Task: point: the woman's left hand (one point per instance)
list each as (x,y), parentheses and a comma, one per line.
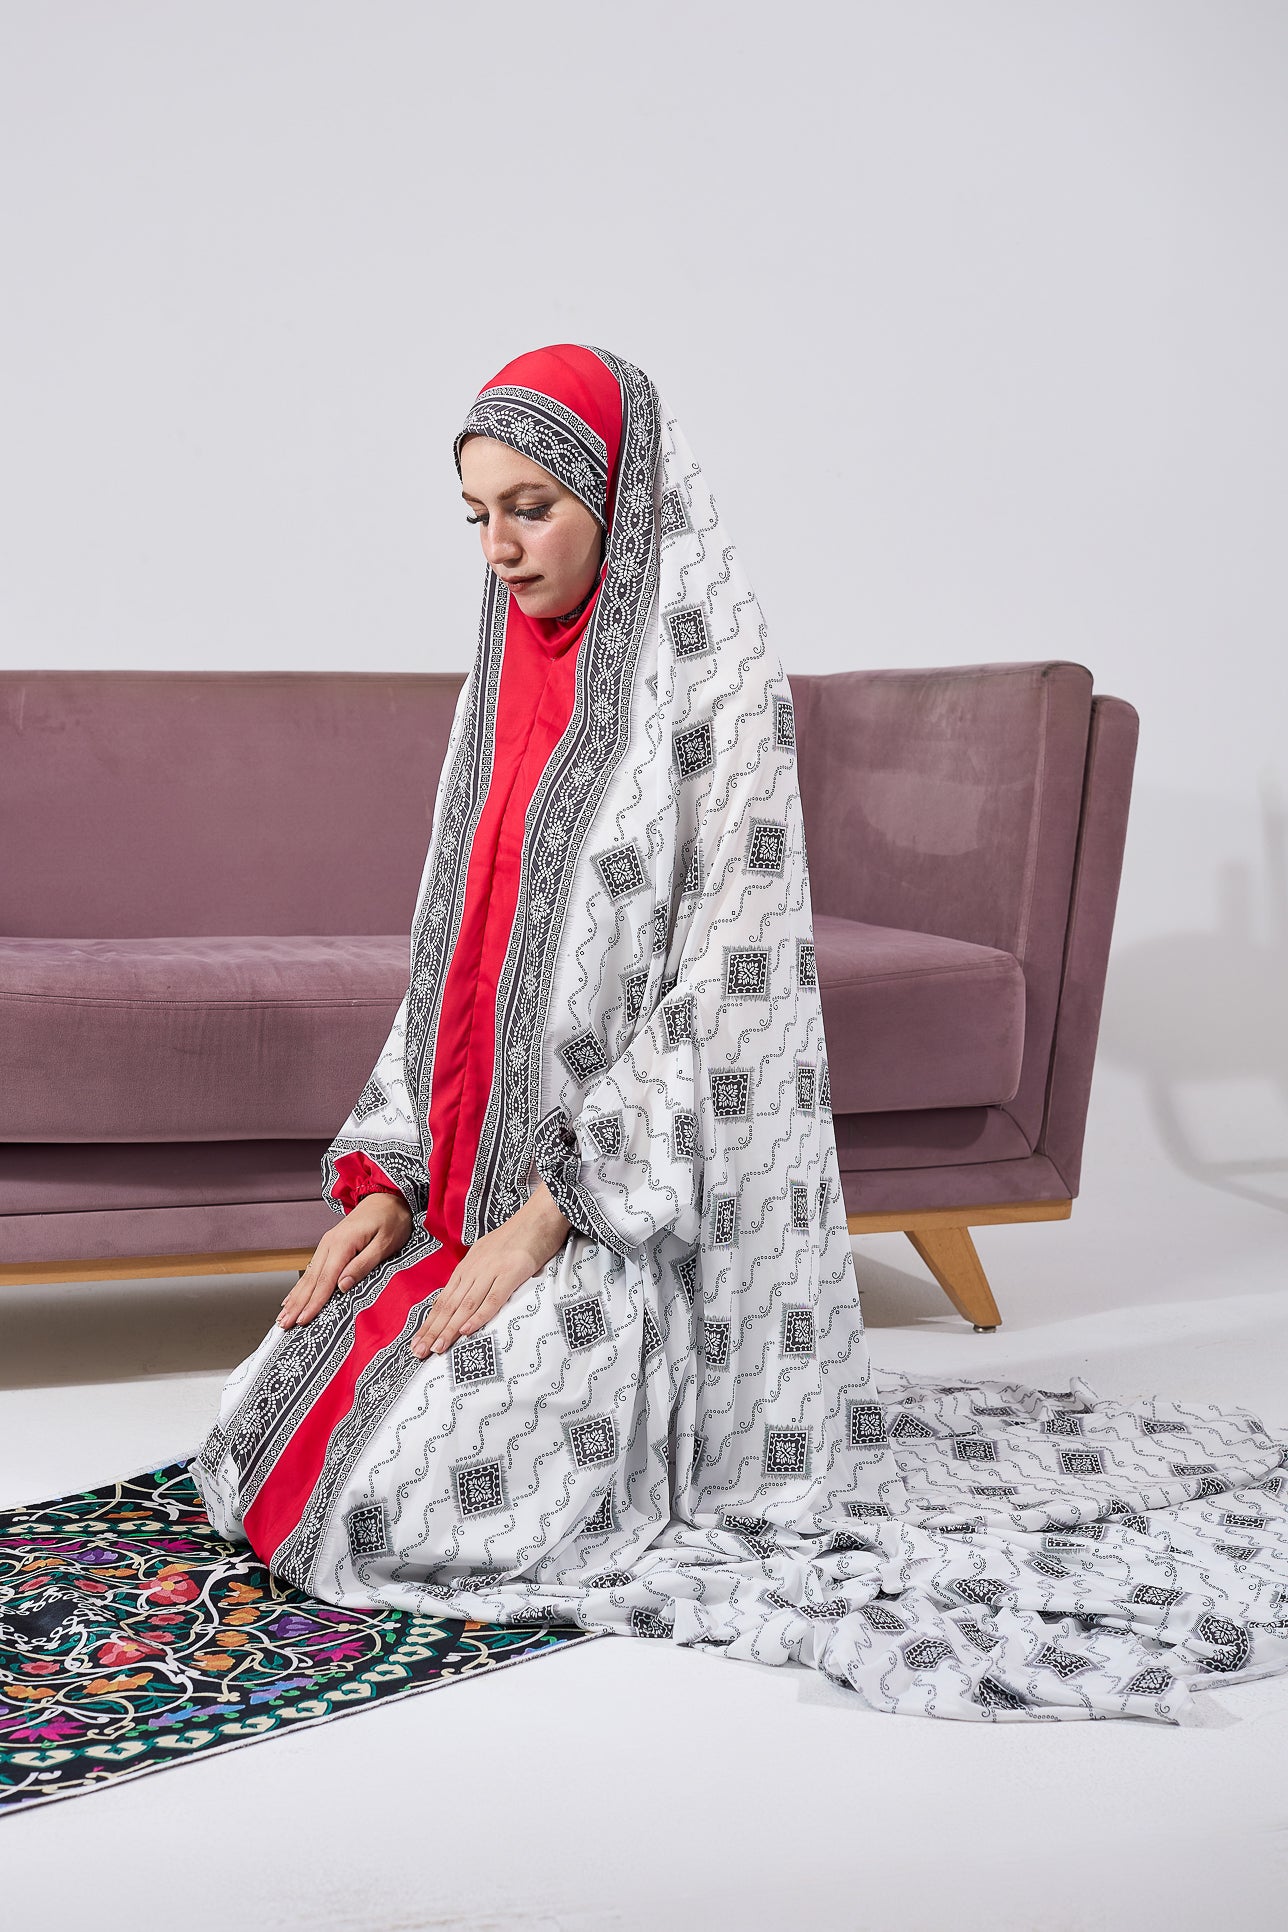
(486,1276)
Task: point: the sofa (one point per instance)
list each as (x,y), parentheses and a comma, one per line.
(209,883)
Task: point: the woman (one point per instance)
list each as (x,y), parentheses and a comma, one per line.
(586,1344)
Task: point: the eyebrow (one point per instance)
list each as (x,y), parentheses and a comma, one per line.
(506,496)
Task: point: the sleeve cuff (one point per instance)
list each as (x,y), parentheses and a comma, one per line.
(558,1159)
(355,1175)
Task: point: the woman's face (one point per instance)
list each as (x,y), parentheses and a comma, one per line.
(537,536)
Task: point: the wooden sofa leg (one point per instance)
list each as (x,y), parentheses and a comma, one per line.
(953,1260)
(941,1237)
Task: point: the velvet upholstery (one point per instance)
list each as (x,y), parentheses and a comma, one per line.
(228,1038)
(914,1020)
(948,802)
(254,1037)
(142,804)
(187,914)
(204,1197)
(1106,799)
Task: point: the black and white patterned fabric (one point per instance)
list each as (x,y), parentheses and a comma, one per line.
(674,1431)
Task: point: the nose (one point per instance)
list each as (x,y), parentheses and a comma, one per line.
(500,543)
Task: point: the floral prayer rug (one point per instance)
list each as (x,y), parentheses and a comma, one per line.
(133,1637)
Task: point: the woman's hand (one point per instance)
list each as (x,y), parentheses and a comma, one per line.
(379,1226)
(486,1276)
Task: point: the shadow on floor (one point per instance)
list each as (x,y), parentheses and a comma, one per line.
(73,1332)
(1191,1012)
(893,1297)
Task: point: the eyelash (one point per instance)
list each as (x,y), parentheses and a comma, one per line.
(529,516)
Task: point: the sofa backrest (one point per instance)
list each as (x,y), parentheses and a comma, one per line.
(948,801)
(138,804)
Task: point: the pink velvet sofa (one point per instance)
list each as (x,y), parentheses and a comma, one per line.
(209,880)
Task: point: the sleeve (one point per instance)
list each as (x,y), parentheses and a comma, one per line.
(631,1162)
(628,1165)
(378,1149)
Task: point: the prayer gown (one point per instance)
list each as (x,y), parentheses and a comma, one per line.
(674,1431)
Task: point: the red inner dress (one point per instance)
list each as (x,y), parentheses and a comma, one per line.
(534,705)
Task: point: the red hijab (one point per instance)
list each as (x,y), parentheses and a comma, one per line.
(562,408)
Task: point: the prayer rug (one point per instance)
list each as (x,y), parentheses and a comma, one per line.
(133,1637)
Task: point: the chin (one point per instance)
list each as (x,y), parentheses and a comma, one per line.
(539,606)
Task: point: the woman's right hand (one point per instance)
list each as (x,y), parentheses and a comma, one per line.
(379,1226)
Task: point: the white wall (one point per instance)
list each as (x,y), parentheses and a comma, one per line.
(974,310)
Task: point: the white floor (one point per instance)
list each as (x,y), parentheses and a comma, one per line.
(630,1785)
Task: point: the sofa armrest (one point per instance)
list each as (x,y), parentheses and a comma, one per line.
(1102,835)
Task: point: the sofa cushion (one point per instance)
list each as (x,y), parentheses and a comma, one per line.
(914,1020)
(272,1037)
(191,1039)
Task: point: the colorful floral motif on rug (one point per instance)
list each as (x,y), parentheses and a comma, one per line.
(133,1637)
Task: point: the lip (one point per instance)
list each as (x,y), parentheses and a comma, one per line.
(519,583)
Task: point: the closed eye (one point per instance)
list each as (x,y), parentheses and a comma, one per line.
(534,513)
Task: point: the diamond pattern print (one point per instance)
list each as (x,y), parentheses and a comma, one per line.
(786,1452)
(651,1042)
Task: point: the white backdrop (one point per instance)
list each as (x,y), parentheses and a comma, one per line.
(973,309)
